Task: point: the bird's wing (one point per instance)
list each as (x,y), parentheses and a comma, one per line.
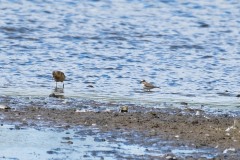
(149,85)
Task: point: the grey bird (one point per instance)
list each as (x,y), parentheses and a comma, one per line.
(148,86)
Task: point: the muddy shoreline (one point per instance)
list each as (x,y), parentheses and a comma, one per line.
(184,127)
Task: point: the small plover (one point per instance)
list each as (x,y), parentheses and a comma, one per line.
(148,86)
(58,77)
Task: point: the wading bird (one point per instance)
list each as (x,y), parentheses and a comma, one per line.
(58,77)
(148,86)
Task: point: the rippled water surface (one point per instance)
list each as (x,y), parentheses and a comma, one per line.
(190,49)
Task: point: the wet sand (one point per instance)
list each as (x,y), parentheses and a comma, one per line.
(182,127)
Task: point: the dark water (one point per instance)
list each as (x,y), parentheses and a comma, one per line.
(190,49)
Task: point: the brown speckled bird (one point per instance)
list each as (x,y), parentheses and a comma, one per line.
(148,86)
(58,77)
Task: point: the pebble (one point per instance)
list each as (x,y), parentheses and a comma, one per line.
(227,134)
(99,139)
(2,106)
(229,150)
(51,152)
(171,157)
(56,95)
(68,142)
(66,138)
(90,86)
(198,113)
(124,109)
(184,103)
(65,101)
(82,110)
(17,127)
(229,128)
(153,114)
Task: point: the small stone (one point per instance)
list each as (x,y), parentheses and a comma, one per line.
(67,126)
(82,110)
(56,95)
(70,142)
(99,139)
(153,113)
(194,122)
(204,25)
(229,150)
(227,134)
(17,127)
(198,113)
(170,157)
(124,109)
(51,152)
(66,138)
(184,103)
(90,86)
(85,156)
(2,106)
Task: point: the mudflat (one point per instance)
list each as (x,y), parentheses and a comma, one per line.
(181,126)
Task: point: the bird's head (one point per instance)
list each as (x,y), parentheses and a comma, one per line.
(54,73)
(142,81)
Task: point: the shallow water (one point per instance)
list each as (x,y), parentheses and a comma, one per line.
(79,143)
(189,49)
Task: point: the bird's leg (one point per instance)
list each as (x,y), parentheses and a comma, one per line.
(63,84)
(56,84)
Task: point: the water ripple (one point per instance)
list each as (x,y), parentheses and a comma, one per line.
(189,49)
